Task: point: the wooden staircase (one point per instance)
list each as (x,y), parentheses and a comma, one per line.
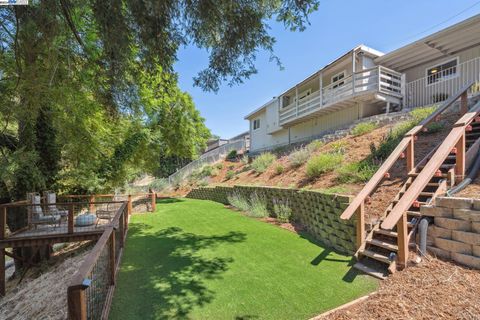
(385,248)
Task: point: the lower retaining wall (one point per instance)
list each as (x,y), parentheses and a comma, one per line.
(319,213)
(455,233)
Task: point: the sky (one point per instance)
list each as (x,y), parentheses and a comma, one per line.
(337,27)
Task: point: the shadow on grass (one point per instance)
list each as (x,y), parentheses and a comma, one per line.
(324,256)
(168,200)
(163,274)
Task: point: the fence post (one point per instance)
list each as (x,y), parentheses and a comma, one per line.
(77,307)
(91,207)
(402,241)
(2,272)
(112,257)
(121,225)
(464,103)
(153,197)
(70,219)
(410,154)
(3,222)
(460,159)
(129,204)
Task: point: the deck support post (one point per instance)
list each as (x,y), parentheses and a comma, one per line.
(296,101)
(129,204)
(353,70)
(402,241)
(70,219)
(460,159)
(410,155)
(3,223)
(464,103)
(360,225)
(2,272)
(77,306)
(320,90)
(112,257)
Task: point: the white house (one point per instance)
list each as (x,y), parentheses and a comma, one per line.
(365,82)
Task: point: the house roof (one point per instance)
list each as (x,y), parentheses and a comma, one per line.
(359,48)
(444,43)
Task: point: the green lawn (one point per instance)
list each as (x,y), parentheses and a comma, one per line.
(198,260)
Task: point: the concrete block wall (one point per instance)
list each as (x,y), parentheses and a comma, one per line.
(455,233)
(318,212)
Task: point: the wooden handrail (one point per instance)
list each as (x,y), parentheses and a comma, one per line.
(430,168)
(16,204)
(389,162)
(376,179)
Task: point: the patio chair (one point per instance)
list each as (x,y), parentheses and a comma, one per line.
(37,216)
(51,199)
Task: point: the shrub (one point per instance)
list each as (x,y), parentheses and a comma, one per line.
(237,200)
(206,171)
(258,206)
(434,127)
(419,114)
(232,155)
(279,169)
(219,166)
(363,128)
(323,163)
(203,183)
(244,159)
(261,163)
(230,174)
(214,172)
(282,210)
(159,184)
(299,157)
(338,146)
(314,145)
(356,172)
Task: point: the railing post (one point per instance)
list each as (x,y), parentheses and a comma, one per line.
(2,272)
(70,219)
(460,159)
(3,222)
(121,225)
(129,204)
(360,225)
(410,154)
(402,241)
(464,103)
(91,206)
(112,257)
(77,306)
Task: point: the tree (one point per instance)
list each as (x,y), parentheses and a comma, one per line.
(89,94)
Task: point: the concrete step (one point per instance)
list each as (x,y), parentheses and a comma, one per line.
(379,274)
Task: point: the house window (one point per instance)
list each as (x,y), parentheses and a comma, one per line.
(338,80)
(443,71)
(256,124)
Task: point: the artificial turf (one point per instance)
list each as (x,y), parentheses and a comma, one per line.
(195,259)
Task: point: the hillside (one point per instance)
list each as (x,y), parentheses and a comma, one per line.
(345,164)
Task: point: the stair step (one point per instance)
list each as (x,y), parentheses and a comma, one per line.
(422,194)
(430,184)
(421,203)
(415,174)
(383,244)
(414,213)
(443,166)
(377,256)
(384,232)
(382,275)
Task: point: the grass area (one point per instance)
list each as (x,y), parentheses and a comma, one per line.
(198,260)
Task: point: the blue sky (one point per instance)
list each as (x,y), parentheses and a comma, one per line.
(338,26)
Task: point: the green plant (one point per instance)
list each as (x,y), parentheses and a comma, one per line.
(363,128)
(419,114)
(434,127)
(206,171)
(298,157)
(282,210)
(323,163)
(279,169)
(232,155)
(338,146)
(356,172)
(261,163)
(219,166)
(336,190)
(230,174)
(258,206)
(244,159)
(159,184)
(214,172)
(314,145)
(203,183)
(237,200)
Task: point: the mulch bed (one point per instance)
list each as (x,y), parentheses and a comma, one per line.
(434,289)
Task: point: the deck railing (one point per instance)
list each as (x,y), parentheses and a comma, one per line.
(440,86)
(377,79)
(91,289)
(207,158)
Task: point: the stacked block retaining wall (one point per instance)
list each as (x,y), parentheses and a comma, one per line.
(319,213)
(455,233)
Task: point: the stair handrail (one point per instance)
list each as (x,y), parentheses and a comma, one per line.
(407,142)
(456,138)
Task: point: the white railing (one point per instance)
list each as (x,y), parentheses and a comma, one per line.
(443,84)
(207,158)
(378,79)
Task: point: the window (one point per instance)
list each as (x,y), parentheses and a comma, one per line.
(443,71)
(337,80)
(256,124)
